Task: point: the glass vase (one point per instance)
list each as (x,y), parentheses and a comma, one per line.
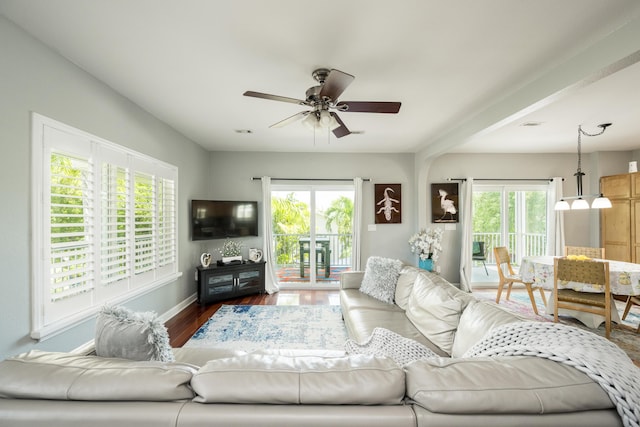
(426,264)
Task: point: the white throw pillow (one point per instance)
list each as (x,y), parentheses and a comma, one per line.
(123,333)
(380,278)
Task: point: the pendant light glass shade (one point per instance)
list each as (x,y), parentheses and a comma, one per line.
(579,204)
(601,202)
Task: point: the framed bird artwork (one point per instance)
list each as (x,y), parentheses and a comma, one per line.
(444,202)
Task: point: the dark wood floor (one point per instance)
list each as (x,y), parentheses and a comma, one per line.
(184,324)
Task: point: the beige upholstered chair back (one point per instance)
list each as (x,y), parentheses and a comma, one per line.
(584,250)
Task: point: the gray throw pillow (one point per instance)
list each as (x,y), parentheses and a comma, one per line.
(123,333)
(380,278)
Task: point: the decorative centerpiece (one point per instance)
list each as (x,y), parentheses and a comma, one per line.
(428,245)
(231,251)
(205,259)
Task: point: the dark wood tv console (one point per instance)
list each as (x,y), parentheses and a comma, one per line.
(219,282)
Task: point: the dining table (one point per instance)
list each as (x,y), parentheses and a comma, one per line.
(624,279)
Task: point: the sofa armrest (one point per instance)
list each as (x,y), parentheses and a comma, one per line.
(351,279)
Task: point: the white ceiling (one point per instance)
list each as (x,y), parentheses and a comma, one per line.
(468,72)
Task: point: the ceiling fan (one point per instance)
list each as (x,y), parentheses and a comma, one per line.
(323,98)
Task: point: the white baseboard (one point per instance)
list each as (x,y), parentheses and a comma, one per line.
(177,308)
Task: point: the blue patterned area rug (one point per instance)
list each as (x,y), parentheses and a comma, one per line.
(258,327)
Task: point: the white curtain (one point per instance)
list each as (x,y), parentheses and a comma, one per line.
(357,224)
(466,248)
(271,279)
(555,219)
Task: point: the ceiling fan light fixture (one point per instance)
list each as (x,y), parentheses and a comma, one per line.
(324,97)
(325,118)
(321,120)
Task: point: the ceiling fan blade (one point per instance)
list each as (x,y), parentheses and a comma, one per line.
(274,97)
(290,119)
(336,82)
(341,131)
(369,107)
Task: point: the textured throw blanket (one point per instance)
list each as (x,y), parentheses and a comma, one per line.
(600,359)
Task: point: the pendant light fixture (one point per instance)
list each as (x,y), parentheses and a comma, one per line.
(579,201)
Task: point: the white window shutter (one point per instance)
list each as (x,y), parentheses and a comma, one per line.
(115,257)
(104,221)
(71,228)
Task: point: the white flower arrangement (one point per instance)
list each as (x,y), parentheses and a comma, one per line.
(427,243)
(230,248)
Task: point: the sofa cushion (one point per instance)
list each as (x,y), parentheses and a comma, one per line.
(123,333)
(404,286)
(502,385)
(64,376)
(360,323)
(380,278)
(434,312)
(274,379)
(477,319)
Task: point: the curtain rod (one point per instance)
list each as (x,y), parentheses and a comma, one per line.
(502,179)
(257,178)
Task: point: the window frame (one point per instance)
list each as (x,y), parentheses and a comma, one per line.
(50,136)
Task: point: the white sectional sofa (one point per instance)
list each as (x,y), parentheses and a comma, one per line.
(318,388)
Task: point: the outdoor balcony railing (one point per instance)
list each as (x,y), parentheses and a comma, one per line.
(287,248)
(520,245)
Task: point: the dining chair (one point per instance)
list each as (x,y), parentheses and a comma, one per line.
(584,250)
(631,299)
(587,271)
(479,254)
(509,277)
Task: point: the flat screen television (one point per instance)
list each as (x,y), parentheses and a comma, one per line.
(219,219)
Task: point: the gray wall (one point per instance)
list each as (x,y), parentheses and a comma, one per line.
(34,78)
(231,174)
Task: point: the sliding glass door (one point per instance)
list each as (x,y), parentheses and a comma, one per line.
(512,216)
(312,233)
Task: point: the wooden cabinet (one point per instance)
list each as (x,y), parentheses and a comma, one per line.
(216,282)
(618,225)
